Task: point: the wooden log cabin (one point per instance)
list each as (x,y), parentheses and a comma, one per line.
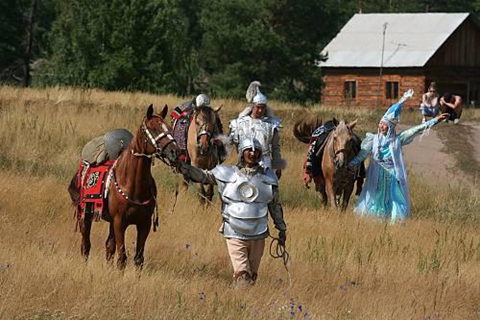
(377,57)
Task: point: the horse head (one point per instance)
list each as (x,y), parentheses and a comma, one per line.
(342,143)
(156,134)
(205,120)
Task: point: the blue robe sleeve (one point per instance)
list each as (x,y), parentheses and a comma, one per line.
(407,136)
(366,149)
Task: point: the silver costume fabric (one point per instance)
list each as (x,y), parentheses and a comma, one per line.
(266,131)
(247,195)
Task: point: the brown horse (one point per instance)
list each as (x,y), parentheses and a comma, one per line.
(336,182)
(132,191)
(204,128)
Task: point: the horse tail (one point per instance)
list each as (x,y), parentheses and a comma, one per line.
(303,129)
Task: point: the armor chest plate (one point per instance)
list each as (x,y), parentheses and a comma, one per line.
(245,203)
(261,130)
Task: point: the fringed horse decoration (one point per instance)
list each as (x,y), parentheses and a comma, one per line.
(202,143)
(335,183)
(132,192)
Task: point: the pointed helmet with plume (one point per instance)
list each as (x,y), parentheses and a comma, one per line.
(393,113)
(252,90)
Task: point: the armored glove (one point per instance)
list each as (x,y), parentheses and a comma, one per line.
(282,237)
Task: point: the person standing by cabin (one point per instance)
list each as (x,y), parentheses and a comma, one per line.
(248,191)
(385,193)
(259,119)
(451,104)
(430,103)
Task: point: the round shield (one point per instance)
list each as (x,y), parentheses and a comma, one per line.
(247,192)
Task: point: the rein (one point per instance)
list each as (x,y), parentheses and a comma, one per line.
(280,252)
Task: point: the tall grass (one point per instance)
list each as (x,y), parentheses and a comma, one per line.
(342,266)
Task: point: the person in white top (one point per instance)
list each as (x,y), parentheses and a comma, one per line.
(429,106)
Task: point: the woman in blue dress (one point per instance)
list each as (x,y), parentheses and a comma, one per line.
(385,193)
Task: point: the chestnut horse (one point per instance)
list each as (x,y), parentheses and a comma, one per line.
(336,182)
(132,191)
(201,148)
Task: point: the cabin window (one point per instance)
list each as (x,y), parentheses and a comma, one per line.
(391,90)
(350,89)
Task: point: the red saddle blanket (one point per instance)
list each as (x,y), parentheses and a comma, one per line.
(92,189)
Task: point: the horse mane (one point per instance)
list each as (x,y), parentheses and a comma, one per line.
(303,129)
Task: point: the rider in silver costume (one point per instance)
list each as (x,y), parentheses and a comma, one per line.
(258,120)
(248,192)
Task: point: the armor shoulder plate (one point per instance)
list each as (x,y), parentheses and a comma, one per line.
(270,177)
(224,173)
(274,121)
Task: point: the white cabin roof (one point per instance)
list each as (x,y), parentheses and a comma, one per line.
(411,39)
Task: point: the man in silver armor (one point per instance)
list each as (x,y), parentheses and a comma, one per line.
(248,191)
(259,120)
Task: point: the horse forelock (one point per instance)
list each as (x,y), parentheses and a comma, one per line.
(206,114)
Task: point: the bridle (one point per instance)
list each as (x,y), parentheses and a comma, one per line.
(204,129)
(334,153)
(155,142)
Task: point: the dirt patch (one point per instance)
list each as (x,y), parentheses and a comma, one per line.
(449,154)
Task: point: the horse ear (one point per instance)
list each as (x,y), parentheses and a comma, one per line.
(352,124)
(335,121)
(218,109)
(164,112)
(150,112)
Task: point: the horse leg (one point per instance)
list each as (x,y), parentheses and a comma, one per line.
(347,192)
(320,188)
(143,230)
(110,243)
(85,224)
(201,191)
(330,193)
(119,227)
(185,181)
(210,192)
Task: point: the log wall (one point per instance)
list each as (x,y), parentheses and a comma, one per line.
(371,89)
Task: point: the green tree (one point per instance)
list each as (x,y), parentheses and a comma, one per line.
(11,39)
(117,45)
(276,42)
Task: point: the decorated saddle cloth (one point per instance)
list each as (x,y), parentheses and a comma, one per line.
(93,182)
(182,115)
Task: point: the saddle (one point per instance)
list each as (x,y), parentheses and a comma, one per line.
(318,142)
(93,183)
(182,115)
(317,145)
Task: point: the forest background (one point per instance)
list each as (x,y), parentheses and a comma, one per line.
(182,47)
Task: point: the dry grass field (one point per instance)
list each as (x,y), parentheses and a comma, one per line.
(342,266)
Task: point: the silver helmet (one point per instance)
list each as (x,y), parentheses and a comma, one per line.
(248,143)
(202,100)
(259,98)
